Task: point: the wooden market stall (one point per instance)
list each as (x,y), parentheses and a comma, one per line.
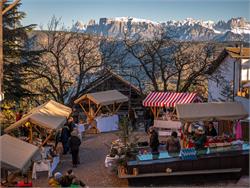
(16,155)
(92,103)
(224,113)
(44,119)
(156,101)
(223,161)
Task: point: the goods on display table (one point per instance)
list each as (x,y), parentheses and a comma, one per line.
(43,120)
(107,123)
(162,104)
(188,154)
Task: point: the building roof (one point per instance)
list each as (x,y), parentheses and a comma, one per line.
(108,74)
(237,52)
(234,52)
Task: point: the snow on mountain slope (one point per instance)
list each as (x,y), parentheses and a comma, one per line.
(188,29)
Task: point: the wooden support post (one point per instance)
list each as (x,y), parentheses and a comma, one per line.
(108,109)
(118,108)
(48,137)
(152,109)
(113,111)
(86,113)
(35,127)
(157,112)
(98,109)
(31,133)
(89,105)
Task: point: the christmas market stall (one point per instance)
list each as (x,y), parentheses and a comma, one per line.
(109,102)
(217,114)
(219,157)
(16,156)
(162,105)
(43,121)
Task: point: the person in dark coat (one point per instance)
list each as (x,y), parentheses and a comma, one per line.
(71,124)
(131,116)
(74,144)
(211,131)
(65,134)
(153,141)
(149,119)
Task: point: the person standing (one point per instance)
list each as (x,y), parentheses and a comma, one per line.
(65,134)
(131,116)
(153,141)
(149,119)
(199,138)
(173,143)
(74,144)
(71,124)
(211,131)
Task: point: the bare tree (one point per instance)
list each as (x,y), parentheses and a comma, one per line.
(171,65)
(54,63)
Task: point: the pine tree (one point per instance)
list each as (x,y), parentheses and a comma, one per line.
(17,56)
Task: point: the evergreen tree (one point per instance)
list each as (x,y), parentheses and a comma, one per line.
(17,57)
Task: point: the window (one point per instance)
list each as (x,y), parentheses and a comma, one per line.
(244,79)
(245,74)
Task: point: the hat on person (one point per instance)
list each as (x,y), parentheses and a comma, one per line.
(57,176)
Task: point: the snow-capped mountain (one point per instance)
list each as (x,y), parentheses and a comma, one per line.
(234,29)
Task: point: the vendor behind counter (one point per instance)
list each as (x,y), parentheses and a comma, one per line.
(199,138)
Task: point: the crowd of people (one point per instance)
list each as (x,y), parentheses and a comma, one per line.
(199,138)
(69,179)
(70,139)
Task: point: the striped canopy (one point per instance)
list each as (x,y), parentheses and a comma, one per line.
(168,99)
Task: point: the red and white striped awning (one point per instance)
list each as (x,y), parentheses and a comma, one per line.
(168,99)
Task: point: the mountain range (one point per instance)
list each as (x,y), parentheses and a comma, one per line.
(235,29)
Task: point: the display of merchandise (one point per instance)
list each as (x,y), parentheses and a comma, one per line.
(188,154)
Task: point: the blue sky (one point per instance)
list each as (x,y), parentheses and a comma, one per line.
(40,11)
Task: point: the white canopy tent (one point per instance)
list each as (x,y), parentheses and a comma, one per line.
(111,99)
(104,97)
(51,115)
(210,111)
(16,154)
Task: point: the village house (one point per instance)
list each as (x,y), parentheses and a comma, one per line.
(231,80)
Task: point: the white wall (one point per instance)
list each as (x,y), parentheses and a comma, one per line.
(224,74)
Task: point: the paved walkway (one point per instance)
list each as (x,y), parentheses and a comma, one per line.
(93,172)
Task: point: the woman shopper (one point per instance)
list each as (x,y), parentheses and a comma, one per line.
(74,144)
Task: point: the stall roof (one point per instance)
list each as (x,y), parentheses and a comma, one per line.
(210,111)
(50,115)
(168,99)
(104,97)
(16,154)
